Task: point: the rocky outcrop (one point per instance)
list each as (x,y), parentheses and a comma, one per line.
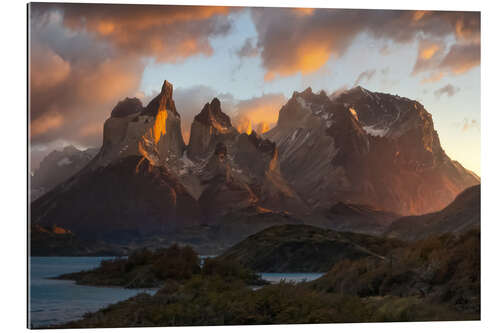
(209,127)
(153,132)
(224,192)
(366,148)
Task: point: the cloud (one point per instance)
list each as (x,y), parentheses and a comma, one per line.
(448,89)
(365,76)
(258,113)
(46,123)
(458,59)
(248,49)
(84,58)
(461,58)
(429,54)
(292,43)
(166,33)
(468,125)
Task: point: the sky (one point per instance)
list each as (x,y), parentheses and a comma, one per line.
(84,58)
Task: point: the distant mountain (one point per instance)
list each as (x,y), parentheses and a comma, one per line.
(56,241)
(463,214)
(304,248)
(365,148)
(57,167)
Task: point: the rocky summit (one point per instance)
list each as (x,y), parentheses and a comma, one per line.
(153,132)
(365,148)
(352,162)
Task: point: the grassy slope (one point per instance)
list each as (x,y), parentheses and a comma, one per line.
(304,248)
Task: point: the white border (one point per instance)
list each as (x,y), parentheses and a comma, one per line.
(13,166)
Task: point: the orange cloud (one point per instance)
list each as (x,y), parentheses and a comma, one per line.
(462,57)
(47,68)
(259,113)
(418,14)
(308,59)
(45,123)
(430,52)
(168,33)
(291,42)
(304,11)
(110,81)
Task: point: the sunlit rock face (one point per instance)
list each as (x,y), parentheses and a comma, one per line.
(366,148)
(153,132)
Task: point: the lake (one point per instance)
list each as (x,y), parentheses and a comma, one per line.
(58,301)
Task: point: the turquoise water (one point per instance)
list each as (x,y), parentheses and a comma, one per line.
(58,301)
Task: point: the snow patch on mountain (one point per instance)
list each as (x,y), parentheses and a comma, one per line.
(371,130)
(64,161)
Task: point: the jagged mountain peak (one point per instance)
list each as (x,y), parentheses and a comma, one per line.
(164,101)
(153,132)
(212,115)
(209,127)
(374,147)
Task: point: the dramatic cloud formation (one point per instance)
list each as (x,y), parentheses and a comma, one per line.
(365,76)
(167,33)
(293,42)
(85,57)
(448,89)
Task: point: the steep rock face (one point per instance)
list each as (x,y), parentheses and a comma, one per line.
(59,166)
(209,127)
(153,132)
(228,171)
(463,214)
(223,191)
(366,148)
(128,198)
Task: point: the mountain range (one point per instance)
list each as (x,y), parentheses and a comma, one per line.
(57,167)
(328,156)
